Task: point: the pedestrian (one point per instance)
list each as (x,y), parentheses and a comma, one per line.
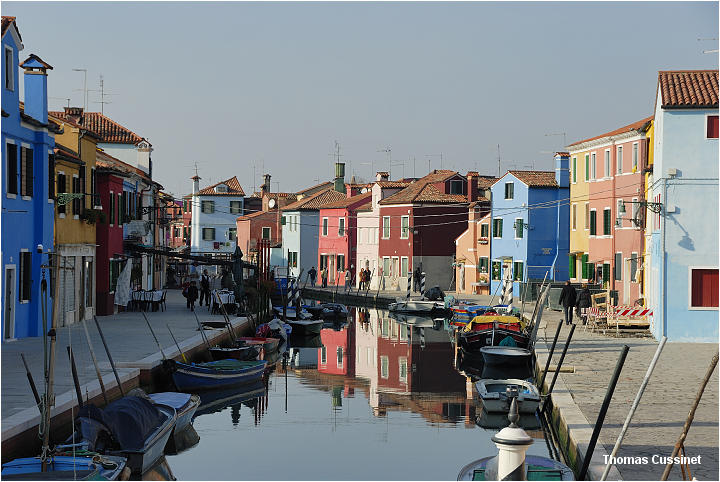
(348,278)
(324,277)
(192,295)
(205,288)
(416,277)
(367,278)
(584,301)
(363,272)
(567,300)
(312,274)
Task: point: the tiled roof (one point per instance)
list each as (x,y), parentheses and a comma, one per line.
(347,201)
(103,159)
(439,175)
(422,191)
(485,182)
(256,215)
(37,59)
(315,201)
(275,195)
(536,178)
(6,22)
(106,128)
(234,188)
(432,194)
(392,183)
(628,128)
(67,153)
(322,185)
(689,88)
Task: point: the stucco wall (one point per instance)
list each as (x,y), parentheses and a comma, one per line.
(222,220)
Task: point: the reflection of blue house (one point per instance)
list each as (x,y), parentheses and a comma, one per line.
(683,246)
(27,203)
(530,224)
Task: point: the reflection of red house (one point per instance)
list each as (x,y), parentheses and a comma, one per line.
(337,356)
(109,238)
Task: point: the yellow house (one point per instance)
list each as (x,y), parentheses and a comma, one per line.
(77,210)
(647,254)
(579,211)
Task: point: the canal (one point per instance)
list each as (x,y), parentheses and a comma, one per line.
(371,399)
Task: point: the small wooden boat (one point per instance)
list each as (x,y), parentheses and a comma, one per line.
(244,352)
(416,306)
(214,324)
(306,327)
(496,395)
(267,343)
(476,340)
(497,421)
(215,374)
(315,310)
(500,362)
(334,310)
(536,468)
(466,312)
(184,404)
(65,467)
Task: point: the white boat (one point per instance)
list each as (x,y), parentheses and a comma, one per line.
(496,395)
(415,306)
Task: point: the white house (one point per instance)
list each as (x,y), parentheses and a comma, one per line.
(214,211)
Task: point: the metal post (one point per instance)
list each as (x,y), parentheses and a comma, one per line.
(176,343)
(95,363)
(603,412)
(557,369)
(552,350)
(634,407)
(107,351)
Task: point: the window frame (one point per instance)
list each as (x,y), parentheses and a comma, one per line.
(341,226)
(518,228)
(236,207)
(27,174)
(607,221)
(707,127)
(25,278)
(619,160)
(574,170)
(386,227)
(405,227)
(593,221)
(635,156)
(207,230)
(618,269)
(692,307)
(486,228)
(494,230)
(574,216)
(455,184)
(606,164)
(406,270)
(510,193)
(593,166)
(324,226)
(521,264)
(232,234)
(587,167)
(9,69)
(11,173)
(269,231)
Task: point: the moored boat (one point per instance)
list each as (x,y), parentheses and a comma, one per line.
(216,374)
(536,468)
(500,362)
(185,405)
(291,313)
(267,343)
(334,310)
(65,467)
(306,327)
(416,306)
(496,395)
(244,352)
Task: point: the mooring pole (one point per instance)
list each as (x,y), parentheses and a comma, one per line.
(559,365)
(32,382)
(95,363)
(552,350)
(107,350)
(76,382)
(634,407)
(603,411)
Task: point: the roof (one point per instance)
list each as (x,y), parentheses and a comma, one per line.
(628,128)
(439,175)
(234,188)
(485,182)
(103,159)
(6,22)
(688,88)
(316,187)
(64,153)
(56,121)
(256,215)
(34,62)
(393,183)
(422,190)
(275,195)
(536,178)
(106,128)
(315,201)
(347,201)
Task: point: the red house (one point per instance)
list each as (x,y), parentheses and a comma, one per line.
(109,238)
(337,355)
(337,235)
(419,225)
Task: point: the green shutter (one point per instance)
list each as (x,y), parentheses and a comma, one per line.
(587,167)
(574,169)
(591,271)
(593,223)
(584,266)
(518,228)
(606,272)
(606,222)
(571,266)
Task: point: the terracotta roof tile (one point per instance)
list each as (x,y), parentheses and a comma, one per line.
(422,191)
(256,215)
(347,201)
(392,183)
(233,185)
(485,182)
(106,128)
(536,178)
(432,194)
(315,201)
(316,187)
(275,195)
(689,88)
(628,128)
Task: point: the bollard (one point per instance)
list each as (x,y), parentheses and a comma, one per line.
(512,443)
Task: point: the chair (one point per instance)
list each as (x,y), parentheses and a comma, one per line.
(147,300)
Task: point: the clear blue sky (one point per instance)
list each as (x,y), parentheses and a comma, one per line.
(229,85)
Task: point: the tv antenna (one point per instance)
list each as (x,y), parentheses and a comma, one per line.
(103,94)
(713,51)
(388,151)
(62,98)
(429,156)
(84,89)
(559,134)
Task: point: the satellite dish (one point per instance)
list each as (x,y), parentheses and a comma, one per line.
(271,203)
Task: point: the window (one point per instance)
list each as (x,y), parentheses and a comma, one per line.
(323,355)
(115,269)
(121,207)
(25,275)
(571,266)
(618,267)
(587,216)
(484,228)
(339,357)
(386,266)
(606,173)
(340,262)
(404,269)
(584,266)
(635,157)
(703,287)
(456,187)
(587,167)
(635,209)
(712,130)
(384,367)
(235,207)
(518,271)
(619,160)
(112,204)
(9,69)
(574,217)
(292,259)
(402,372)
(341,227)
(51,177)
(405,227)
(26,171)
(574,170)
(605,272)
(496,270)
(325,227)
(509,190)
(76,208)
(266,232)
(232,234)
(633,267)
(518,228)
(207,207)
(593,222)
(82,187)
(593,167)
(386,227)
(497,227)
(12,169)
(484,264)
(607,221)
(208,234)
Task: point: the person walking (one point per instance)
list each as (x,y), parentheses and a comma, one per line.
(361,278)
(312,274)
(416,279)
(205,288)
(192,295)
(567,300)
(324,277)
(584,301)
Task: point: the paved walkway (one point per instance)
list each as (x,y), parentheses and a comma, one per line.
(128,337)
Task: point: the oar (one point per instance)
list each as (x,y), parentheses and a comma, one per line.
(202,330)
(227,318)
(32,382)
(76,382)
(176,343)
(107,350)
(97,369)
(153,334)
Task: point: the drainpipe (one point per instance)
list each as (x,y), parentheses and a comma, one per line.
(557,232)
(613,155)
(664,259)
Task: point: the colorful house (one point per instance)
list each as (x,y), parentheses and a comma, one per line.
(214,211)
(611,211)
(27,200)
(530,224)
(682,209)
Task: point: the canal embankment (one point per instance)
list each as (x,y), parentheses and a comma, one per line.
(133,349)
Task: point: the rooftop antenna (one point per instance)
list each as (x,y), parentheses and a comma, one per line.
(388,151)
(103,94)
(434,155)
(499,173)
(713,51)
(559,134)
(277,185)
(84,89)
(62,98)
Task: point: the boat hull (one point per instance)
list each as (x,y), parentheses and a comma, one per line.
(236,353)
(416,306)
(64,467)
(194,377)
(495,399)
(545,467)
(269,344)
(140,461)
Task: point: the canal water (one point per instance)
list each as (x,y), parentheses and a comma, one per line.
(371,399)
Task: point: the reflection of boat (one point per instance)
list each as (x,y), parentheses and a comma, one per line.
(182,440)
(496,421)
(336,324)
(160,471)
(216,374)
(536,468)
(416,306)
(291,313)
(303,357)
(306,327)
(497,394)
(213,401)
(334,310)
(184,404)
(506,356)
(65,467)
(244,352)
(299,341)
(418,321)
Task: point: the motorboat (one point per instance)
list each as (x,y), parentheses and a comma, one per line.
(416,306)
(497,421)
(291,313)
(244,352)
(185,405)
(496,395)
(501,362)
(334,310)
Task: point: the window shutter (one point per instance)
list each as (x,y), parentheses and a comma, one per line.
(51,176)
(606,272)
(618,267)
(571,266)
(574,169)
(518,228)
(587,167)
(593,223)
(12,169)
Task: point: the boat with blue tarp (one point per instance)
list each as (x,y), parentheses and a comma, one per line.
(215,374)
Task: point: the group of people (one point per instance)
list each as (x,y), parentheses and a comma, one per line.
(323,276)
(570,299)
(364,279)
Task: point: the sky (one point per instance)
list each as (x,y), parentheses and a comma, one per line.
(244,89)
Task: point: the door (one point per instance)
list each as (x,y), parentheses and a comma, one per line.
(81,290)
(9,303)
(331,269)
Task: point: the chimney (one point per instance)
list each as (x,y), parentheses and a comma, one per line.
(266,184)
(196,183)
(339,177)
(36,100)
(472,186)
(75,114)
(562,171)
(382,176)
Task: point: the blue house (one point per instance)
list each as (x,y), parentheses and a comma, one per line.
(530,224)
(682,208)
(27,190)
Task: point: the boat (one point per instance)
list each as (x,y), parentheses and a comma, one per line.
(509,362)
(244,352)
(306,327)
(414,320)
(315,310)
(536,468)
(466,312)
(500,334)
(267,343)
(184,404)
(291,313)
(215,374)
(212,401)
(181,441)
(334,310)
(497,421)
(496,395)
(131,427)
(336,324)
(213,323)
(416,306)
(65,467)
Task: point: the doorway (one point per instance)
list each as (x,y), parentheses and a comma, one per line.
(9,303)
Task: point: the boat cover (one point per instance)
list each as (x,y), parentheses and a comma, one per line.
(130,420)
(434,294)
(176,400)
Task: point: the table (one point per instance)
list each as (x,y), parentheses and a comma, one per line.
(226,298)
(139,298)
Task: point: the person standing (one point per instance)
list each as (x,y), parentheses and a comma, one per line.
(324,277)
(567,300)
(416,279)
(584,301)
(192,295)
(312,274)
(205,288)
